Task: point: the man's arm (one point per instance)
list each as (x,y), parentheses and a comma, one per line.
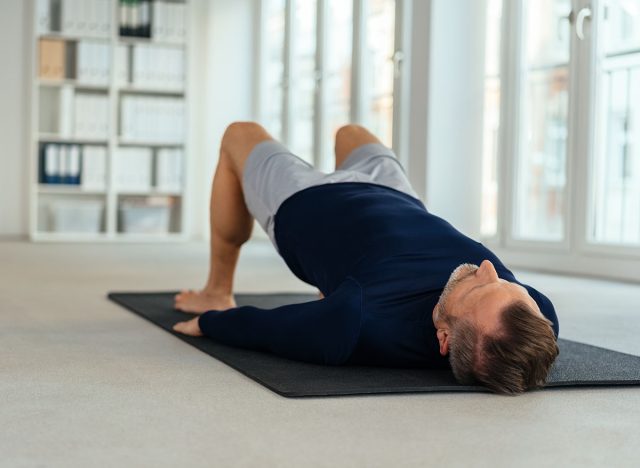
(323,331)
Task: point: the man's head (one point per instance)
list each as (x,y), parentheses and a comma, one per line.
(493,331)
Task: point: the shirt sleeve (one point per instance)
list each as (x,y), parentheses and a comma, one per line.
(323,331)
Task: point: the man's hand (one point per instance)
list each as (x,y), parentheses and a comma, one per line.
(190,327)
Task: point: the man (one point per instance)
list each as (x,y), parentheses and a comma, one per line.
(401,286)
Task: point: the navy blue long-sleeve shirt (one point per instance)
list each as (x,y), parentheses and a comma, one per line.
(380,259)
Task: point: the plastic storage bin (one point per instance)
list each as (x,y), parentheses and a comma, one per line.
(145,217)
(76,216)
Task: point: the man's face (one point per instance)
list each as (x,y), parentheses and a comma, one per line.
(477,294)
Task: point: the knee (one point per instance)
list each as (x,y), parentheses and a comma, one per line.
(348,132)
(239,131)
(349,137)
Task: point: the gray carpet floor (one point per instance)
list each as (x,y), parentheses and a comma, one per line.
(86,383)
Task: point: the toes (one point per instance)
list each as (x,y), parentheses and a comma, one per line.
(183,294)
(186,292)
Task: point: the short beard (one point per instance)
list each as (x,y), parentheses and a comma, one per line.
(460,273)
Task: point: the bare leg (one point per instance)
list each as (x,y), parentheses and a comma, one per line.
(231,222)
(348,138)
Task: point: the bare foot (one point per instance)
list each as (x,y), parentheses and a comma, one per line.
(199,302)
(189,327)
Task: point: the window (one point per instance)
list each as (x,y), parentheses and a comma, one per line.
(379,62)
(491,129)
(564,122)
(339,56)
(616,165)
(273,66)
(541,164)
(302,78)
(307,78)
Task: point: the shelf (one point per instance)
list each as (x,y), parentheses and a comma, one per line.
(149,193)
(74,83)
(101,237)
(65,189)
(69,236)
(151,91)
(133,40)
(135,237)
(53,138)
(53,106)
(151,143)
(72,37)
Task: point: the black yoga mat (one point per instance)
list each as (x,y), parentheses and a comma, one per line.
(578,364)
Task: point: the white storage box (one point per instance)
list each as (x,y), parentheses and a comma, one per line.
(81,216)
(145,217)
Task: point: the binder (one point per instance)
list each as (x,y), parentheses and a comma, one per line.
(91,19)
(74,164)
(93,168)
(152,119)
(80,13)
(168,174)
(122,65)
(43,16)
(102,102)
(80,124)
(133,169)
(51,164)
(123,24)
(93,62)
(68,23)
(180,19)
(134,17)
(66,112)
(158,21)
(104,17)
(63,164)
(91,116)
(158,67)
(145,18)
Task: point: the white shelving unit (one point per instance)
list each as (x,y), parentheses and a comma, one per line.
(57,209)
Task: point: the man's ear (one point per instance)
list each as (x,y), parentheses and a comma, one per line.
(443,339)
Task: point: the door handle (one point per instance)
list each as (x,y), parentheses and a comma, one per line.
(397,58)
(583,15)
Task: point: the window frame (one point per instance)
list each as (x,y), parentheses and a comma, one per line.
(357,103)
(575,253)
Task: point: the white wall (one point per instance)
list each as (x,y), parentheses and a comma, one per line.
(222,86)
(13,115)
(418,119)
(454,114)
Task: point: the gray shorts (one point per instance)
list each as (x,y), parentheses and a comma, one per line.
(272,173)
